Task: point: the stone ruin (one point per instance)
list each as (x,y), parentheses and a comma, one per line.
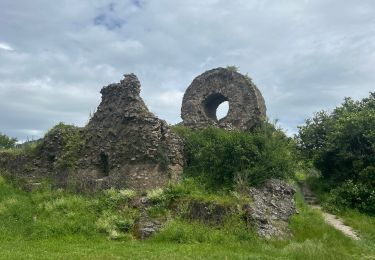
(124,145)
(213,87)
(128,146)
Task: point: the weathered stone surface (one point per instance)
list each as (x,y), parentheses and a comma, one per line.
(126,145)
(146,228)
(272,206)
(208,212)
(11,162)
(123,146)
(209,90)
(21,166)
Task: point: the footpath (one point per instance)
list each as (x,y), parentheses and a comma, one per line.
(330,219)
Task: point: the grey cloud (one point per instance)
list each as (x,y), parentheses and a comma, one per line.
(303,55)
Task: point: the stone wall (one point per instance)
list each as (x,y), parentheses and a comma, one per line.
(207,91)
(124,146)
(271,208)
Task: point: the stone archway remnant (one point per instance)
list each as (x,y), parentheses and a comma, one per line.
(207,91)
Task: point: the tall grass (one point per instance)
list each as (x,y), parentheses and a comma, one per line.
(55,224)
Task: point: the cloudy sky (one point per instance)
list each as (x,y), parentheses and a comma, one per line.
(55,56)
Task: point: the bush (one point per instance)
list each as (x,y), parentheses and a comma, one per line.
(113,198)
(117,225)
(221,157)
(351,195)
(7,142)
(341,145)
(156,195)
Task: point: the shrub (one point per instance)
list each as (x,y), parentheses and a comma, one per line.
(114,198)
(341,145)
(220,157)
(7,142)
(156,195)
(233,68)
(351,195)
(117,225)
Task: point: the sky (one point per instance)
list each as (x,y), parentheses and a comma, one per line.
(55,56)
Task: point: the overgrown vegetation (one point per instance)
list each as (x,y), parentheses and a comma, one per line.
(341,145)
(7,142)
(49,224)
(232,68)
(225,159)
(48,214)
(235,68)
(70,140)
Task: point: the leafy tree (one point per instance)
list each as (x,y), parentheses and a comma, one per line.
(7,142)
(341,144)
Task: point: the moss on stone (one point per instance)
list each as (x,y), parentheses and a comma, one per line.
(71,141)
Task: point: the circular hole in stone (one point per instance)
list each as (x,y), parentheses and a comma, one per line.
(222,110)
(211,103)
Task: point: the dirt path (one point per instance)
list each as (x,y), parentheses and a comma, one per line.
(330,219)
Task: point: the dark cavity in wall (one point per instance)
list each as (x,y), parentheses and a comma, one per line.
(211,103)
(104,163)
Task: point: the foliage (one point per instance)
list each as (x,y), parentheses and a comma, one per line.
(181,231)
(178,196)
(54,224)
(113,197)
(341,145)
(48,213)
(155,195)
(221,157)
(117,225)
(28,148)
(233,68)
(71,142)
(351,195)
(7,142)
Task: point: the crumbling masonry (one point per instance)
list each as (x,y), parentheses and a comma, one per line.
(126,146)
(209,90)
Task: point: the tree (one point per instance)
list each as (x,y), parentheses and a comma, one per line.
(7,142)
(341,145)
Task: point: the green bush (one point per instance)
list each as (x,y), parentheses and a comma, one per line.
(223,158)
(112,197)
(7,142)
(341,145)
(351,195)
(117,225)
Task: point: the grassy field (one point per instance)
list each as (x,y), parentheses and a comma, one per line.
(57,225)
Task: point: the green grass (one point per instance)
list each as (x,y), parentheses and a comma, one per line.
(51,224)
